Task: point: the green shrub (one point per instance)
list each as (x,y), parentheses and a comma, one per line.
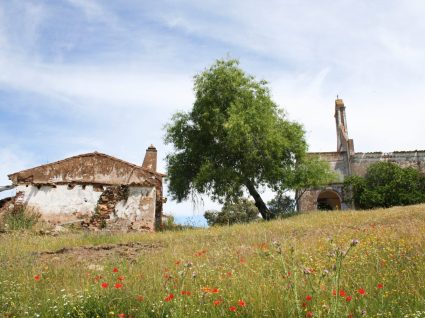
(385,185)
(239,211)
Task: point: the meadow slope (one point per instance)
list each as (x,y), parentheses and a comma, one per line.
(318,264)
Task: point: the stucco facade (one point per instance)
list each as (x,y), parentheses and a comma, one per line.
(99,190)
(346,162)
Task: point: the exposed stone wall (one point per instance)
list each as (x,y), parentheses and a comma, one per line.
(138,209)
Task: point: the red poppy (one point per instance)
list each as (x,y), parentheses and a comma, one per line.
(118,285)
(361,291)
(104,285)
(140,298)
(334,292)
(309,314)
(215,290)
(242,261)
(308,297)
(348,298)
(169,297)
(120,278)
(121,315)
(304,305)
(241,303)
(380,286)
(115,270)
(185,292)
(342,293)
(233,308)
(200,253)
(217,302)
(37,278)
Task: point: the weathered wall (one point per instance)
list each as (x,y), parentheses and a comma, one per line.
(63,203)
(139,208)
(360,161)
(61,200)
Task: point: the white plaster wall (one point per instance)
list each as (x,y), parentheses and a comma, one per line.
(60,200)
(140,205)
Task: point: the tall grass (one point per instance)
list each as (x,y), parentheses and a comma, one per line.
(321,264)
(20,219)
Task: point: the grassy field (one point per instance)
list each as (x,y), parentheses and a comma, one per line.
(321,264)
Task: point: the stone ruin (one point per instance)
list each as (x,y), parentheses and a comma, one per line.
(346,162)
(94,189)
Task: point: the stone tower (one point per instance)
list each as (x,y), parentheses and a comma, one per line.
(344,144)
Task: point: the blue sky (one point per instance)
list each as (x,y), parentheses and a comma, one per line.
(79,75)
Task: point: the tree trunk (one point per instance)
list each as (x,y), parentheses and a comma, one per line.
(259,203)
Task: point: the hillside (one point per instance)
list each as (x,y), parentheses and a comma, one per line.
(318,264)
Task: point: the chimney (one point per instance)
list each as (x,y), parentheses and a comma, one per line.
(149,163)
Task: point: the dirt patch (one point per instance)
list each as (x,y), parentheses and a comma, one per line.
(129,251)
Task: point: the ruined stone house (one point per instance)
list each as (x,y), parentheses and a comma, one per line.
(346,162)
(98,189)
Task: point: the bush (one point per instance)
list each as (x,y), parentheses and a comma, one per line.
(282,206)
(385,185)
(20,219)
(239,211)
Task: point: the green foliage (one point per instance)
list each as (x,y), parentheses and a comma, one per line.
(312,173)
(282,205)
(234,139)
(19,219)
(386,184)
(240,211)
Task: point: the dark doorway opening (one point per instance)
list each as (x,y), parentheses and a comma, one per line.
(328,200)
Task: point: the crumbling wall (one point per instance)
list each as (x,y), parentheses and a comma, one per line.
(361,161)
(121,207)
(126,208)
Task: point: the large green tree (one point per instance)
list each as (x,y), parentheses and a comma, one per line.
(234,139)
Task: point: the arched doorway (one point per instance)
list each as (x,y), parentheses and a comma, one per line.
(328,200)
